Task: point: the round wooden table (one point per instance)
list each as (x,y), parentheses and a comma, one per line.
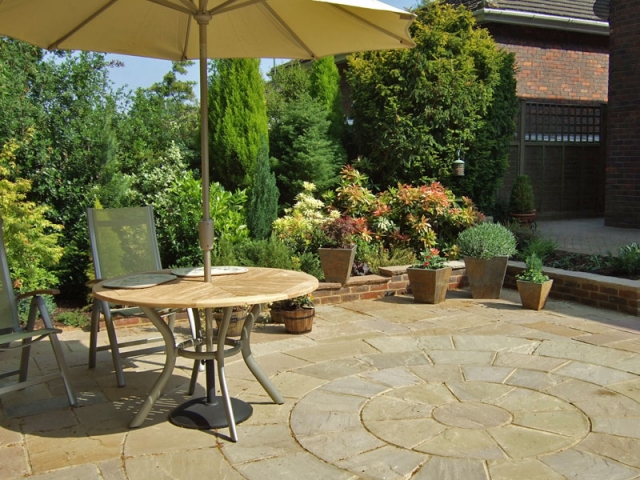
(255,286)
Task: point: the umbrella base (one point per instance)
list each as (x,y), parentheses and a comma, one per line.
(200,415)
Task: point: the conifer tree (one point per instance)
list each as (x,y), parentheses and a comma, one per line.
(237,121)
(325,88)
(263,197)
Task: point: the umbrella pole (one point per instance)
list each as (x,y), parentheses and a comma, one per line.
(211,411)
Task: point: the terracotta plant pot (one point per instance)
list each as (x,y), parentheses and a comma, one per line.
(429,286)
(337,263)
(524,218)
(299,320)
(486,276)
(534,295)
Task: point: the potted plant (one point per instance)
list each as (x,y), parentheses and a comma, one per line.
(338,248)
(238,316)
(533,285)
(486,248)
(296,313)
(522,204)
(429,280)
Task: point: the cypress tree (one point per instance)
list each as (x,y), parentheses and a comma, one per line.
(325,88)
(263,198)
(237,120)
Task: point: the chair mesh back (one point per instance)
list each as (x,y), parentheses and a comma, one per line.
(8,312)
(123,241)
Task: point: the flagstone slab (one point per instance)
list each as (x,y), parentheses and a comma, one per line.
(595,400)
(528,469)
(463,443)
(576,465)
(452,469)
(521,442)
(358,386)
(623,427)
(622,449)
(630,388)
(386,407)
(14,461)
(529,362)
(571,423)
(331,370)
(455,357)
(292,467)
(494,343)
(405,433)
(594,373)
(439,373)
(323,400)
(606,357)
(534,380)
(332,448)
(259,442)
(394,377)
(486,374)
(385,463)
(304,422)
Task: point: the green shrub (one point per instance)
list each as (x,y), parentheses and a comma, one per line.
(533,273)
(487,240)
(271,253)
(377,255)
(522,199)
(540,246)
(309,262)
(628,259)
(74,318)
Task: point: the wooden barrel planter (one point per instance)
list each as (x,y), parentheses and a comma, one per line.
(235,323)
(299,320)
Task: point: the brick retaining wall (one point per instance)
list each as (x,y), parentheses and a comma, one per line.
(594,290)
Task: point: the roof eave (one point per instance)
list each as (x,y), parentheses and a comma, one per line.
(514,17)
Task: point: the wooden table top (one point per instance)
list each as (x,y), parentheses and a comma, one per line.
(257,285)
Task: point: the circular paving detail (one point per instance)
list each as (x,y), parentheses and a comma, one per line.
(476,414)
(480,420)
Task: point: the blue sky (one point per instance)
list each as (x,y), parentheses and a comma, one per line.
(144,72)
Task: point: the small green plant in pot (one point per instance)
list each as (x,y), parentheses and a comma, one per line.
(429,280)
(522,204)
(486,248)
(533,285)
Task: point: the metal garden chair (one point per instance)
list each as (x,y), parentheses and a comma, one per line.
(123,242)
(14,336)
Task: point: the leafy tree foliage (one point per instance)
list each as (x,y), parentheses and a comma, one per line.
(156,119)
(414,109)
(287,83)
(263,197)
(31,240)
(237,120)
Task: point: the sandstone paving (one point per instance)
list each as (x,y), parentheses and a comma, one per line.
(469,389)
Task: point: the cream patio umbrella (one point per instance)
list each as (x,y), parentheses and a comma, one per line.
(202,29)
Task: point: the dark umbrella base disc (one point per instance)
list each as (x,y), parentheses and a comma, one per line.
(200,415)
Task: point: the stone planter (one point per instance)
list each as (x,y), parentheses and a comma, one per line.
(534,295)
(337,263)
(429,286)
(486,276)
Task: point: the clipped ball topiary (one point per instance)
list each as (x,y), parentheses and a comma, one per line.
(487,240)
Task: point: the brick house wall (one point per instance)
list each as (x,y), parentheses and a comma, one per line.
(555,65)
(622,189)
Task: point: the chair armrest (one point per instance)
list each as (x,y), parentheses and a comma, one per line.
(44,291)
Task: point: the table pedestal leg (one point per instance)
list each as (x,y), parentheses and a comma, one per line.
(209,412)
(214,411)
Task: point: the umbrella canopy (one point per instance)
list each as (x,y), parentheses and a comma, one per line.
(168,29)
(189,29)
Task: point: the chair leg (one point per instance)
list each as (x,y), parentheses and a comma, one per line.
(26,350)
(57,352)
(93,336)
